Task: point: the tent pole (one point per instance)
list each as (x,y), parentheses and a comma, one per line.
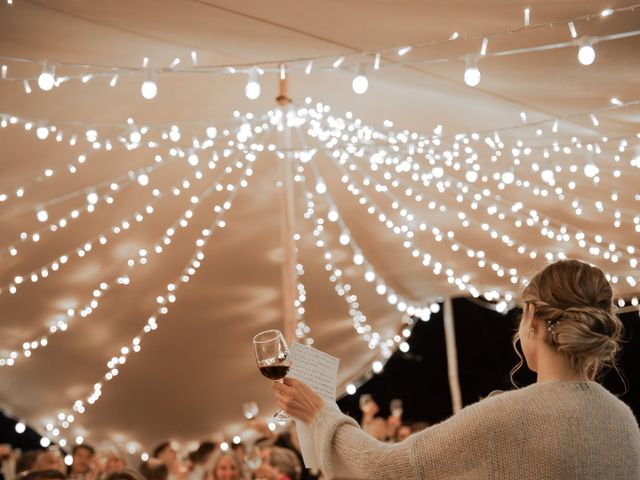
(452,356)
(289,273)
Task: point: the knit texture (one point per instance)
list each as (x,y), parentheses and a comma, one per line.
(546,431)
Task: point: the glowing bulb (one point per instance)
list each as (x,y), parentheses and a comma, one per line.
(143,179)
(333,215)
(68,460)
(252,88)
(212,132)
(42,133)
(237,439)
(508,178)
(376,366)
(92,198)
(46,80)
(321,188)
(149,89)
(472,74)
(45,442)
(586,54)
(135,137)
(351,389)
(20,427)
(193,159)
(591,170)
(224,446)
(42,215)
(360,83)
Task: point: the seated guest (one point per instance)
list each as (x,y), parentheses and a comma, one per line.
(43,475)
(226,466)
(154,469)
(566,425)
(49,460)
(280,464)
(124,474)
(83,466)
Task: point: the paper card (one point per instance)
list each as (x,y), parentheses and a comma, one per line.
(319,370)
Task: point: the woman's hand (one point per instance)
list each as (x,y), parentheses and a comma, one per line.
(297,399)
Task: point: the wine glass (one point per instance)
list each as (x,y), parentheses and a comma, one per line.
(250,410)
(253,458)
(396,407)
(272,355)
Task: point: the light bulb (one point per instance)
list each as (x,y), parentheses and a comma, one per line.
(42,215)
(135,137)
(252,88)
(45,442)
(508,178)
(351,389)
(143,179)
(92,198)
(149,89)
(46,80)
(193,159)
(586,54)
(42,133)
(591,170)
(212,132)
(472,74)
(20,427)
(376,366)
(360,83)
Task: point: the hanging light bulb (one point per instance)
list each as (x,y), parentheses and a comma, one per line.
(252,88)
(149,89)
(360,83)
(42,132)
(46,79)
(471,72)
(586,54)
(42,215)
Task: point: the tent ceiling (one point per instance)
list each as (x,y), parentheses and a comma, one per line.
(196,370)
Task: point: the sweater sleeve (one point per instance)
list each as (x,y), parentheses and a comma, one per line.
(459,447)
(345,451)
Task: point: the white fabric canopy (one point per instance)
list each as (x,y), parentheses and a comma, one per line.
(194,372)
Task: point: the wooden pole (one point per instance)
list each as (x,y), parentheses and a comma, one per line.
(452,356)
(289,273)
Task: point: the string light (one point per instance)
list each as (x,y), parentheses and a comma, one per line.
(472,74)
(46,79)
(360,83)
(586,53)
(149,89)
(252,88)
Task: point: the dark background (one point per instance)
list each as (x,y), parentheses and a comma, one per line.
(419,377)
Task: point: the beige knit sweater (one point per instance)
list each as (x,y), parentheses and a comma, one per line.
(550,430)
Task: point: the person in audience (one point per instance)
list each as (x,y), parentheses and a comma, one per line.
(84,466)
(403,432)
(566,425)
(43,475)
(226,466)
(112,461)
(154,469)
(49,460)
(124,474)
(280,464)
(201,461)
(25,461)
(166,453)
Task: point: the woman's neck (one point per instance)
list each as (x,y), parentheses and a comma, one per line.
(554,366)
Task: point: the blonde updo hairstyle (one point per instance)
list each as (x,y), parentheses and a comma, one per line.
(574,301)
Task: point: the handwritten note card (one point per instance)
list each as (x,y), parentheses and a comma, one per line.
(319,370)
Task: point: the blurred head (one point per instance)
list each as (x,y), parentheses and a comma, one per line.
(226,466)
(113,463)
(377,428)
(568,307)
(166,453)
(26,460)
(82,457)
(44,475)
(285,461)
(154,469)
(403,432)
(125,474)
(240,450)
(203,454)
(49,460)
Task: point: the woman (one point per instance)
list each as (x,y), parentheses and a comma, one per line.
(226,466)
(564,426)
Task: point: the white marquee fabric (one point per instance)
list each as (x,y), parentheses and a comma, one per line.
(194,372)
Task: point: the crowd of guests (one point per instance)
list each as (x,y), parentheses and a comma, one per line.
(270,456)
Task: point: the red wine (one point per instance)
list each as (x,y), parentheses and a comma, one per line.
(275,372)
